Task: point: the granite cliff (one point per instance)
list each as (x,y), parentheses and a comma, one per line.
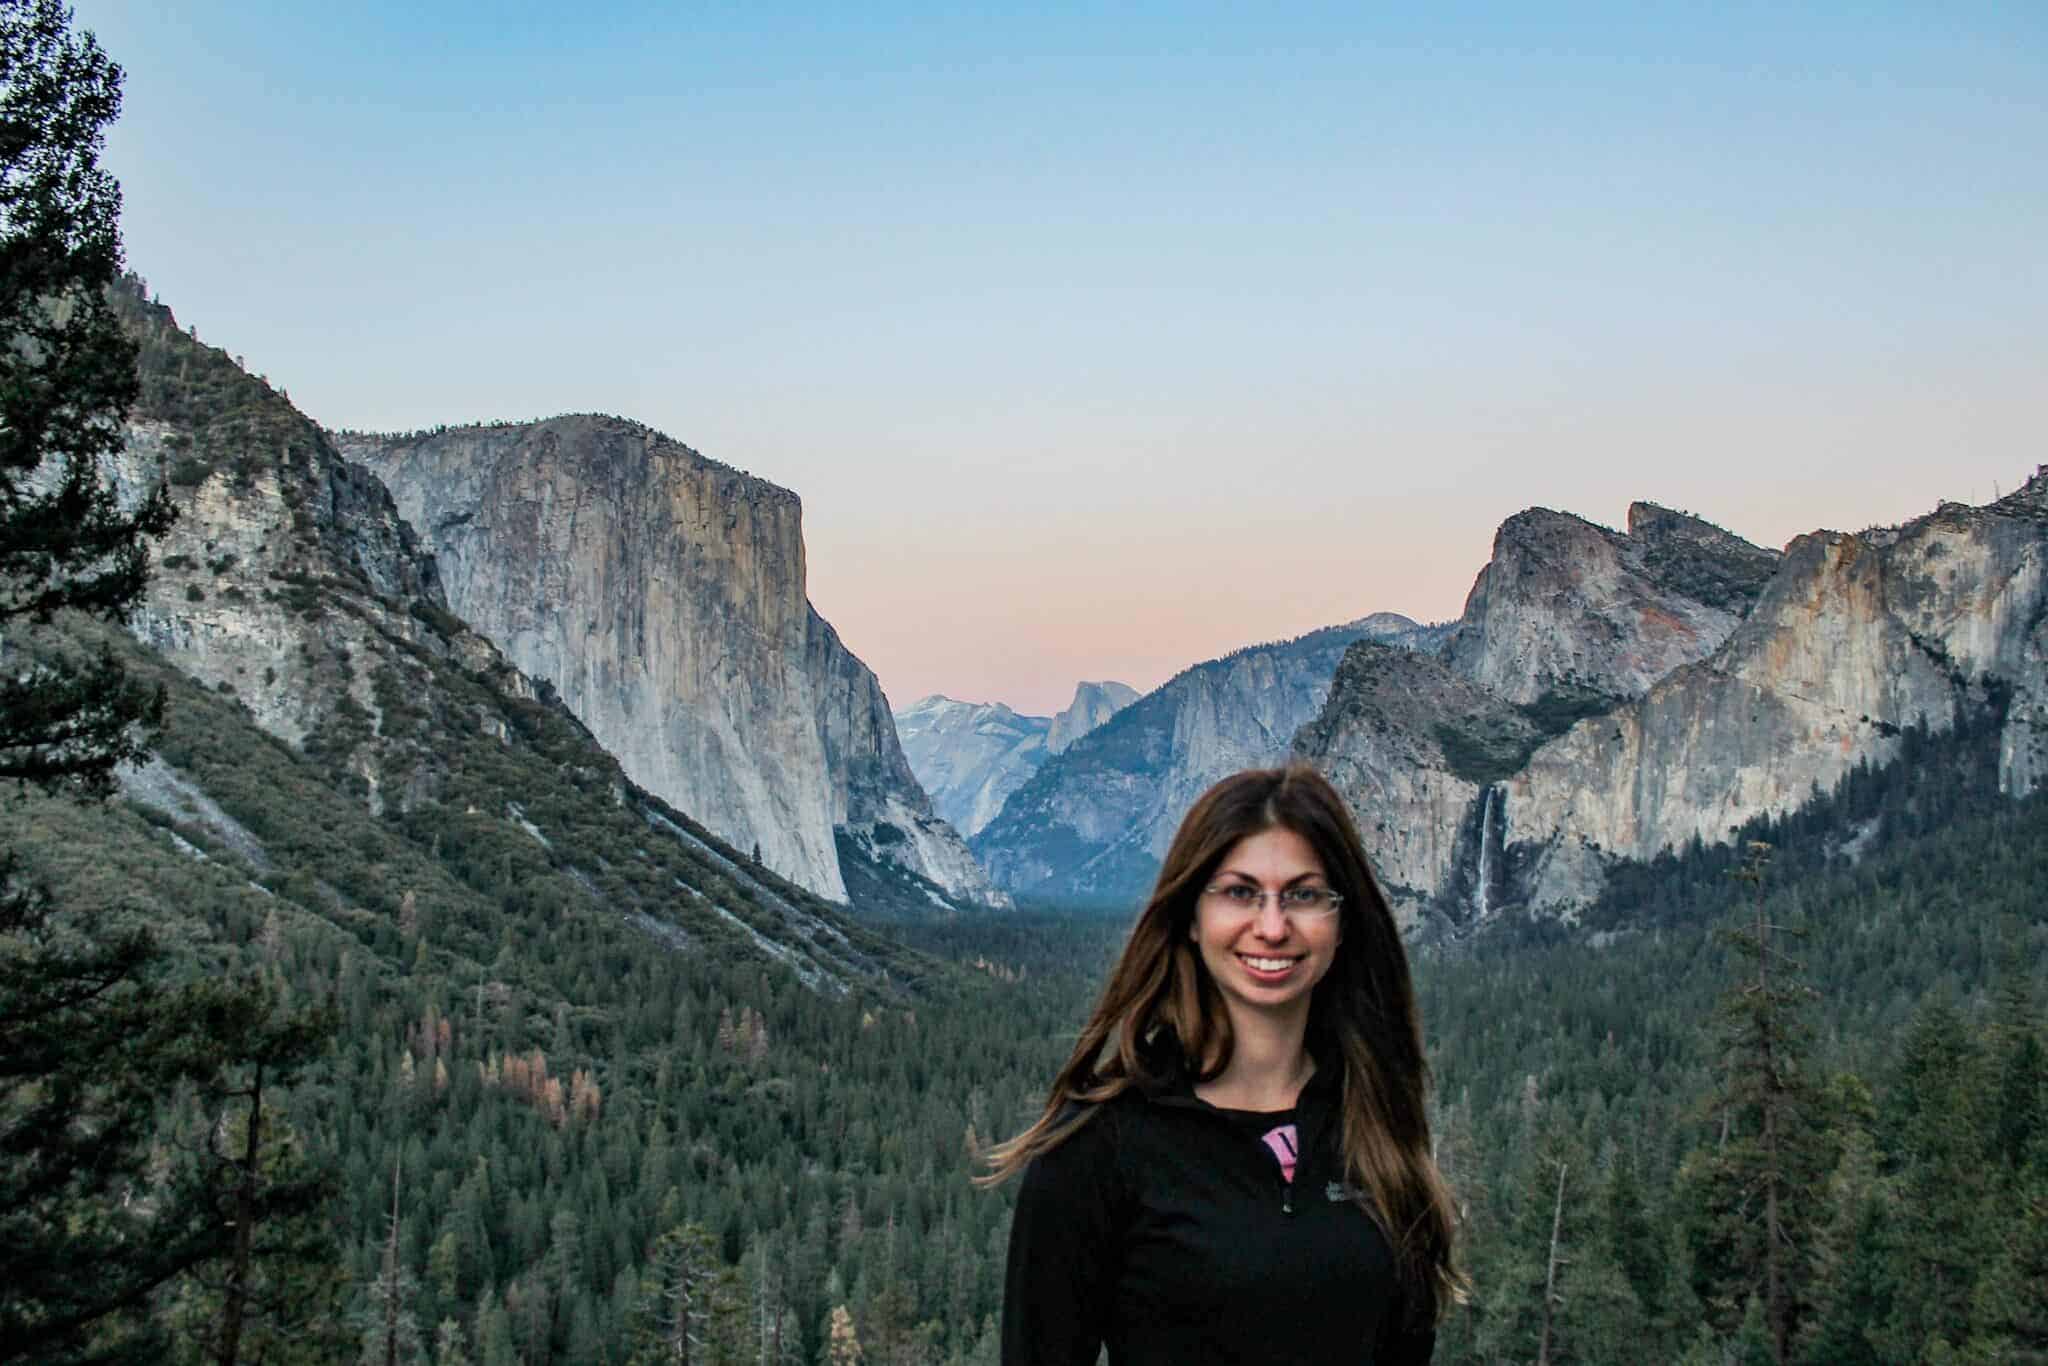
(1932,624)
(1611,696)
(438,775)
(970,756)
(1569,609)
(662,596)
(1413,745)
(1093,704)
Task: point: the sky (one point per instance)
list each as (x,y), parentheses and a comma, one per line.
(1100,340)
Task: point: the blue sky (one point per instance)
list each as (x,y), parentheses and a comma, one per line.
(1100,340)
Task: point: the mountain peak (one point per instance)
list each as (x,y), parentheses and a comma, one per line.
(1094,703)
(1568,606)
(2029,499)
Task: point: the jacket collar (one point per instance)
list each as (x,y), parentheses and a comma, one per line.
(1166,1078)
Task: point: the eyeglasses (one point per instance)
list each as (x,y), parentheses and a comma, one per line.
(1296,903)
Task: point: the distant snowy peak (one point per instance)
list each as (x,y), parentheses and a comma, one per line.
(970,756)
(1093,704)
(945,714)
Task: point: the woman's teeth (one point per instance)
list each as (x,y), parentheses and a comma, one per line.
(1267,964)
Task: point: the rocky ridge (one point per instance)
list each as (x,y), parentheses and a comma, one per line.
(1857,637)
(662,595)
(290,585)
(1568,608)
(1093,823)
(1611,696)
(970,756)
(1093,704)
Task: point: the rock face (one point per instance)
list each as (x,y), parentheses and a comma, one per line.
(1093,704)
(1093,823)
(970,756)
(288,573)
(663,596)
(1708,692)
(1856,637)
(1414,746)
(291,589)
(1571,609)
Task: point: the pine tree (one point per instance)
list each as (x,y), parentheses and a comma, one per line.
(1750,1192)
(279,1278)
(88,1040)
(1631,1237)
(67,379)
(1935,1123)
(842,1344)
(676,1298)
(391,1330)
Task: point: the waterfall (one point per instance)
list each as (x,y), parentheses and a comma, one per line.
(1485,856)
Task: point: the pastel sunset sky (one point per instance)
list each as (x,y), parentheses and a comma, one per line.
(1100,340)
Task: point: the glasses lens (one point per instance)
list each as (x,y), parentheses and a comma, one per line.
(1309,900)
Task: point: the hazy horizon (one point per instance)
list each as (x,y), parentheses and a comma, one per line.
(1099,344)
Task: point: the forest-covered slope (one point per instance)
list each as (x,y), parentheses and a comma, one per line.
(568,1019)
(1909,904)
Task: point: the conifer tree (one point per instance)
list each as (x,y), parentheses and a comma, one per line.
(676,1299)
(87,1041)
(391,1330)
(67,379)
(275,1284)
(1750,1191)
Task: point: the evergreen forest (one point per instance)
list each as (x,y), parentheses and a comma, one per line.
(544,1133)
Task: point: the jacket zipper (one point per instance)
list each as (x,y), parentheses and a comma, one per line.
(1302,1138)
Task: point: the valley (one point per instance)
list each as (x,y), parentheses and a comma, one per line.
(653,950)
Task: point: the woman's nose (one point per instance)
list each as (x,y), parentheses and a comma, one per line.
(1271,922)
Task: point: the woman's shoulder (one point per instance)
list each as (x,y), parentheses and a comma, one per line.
(1097,1123)
(1092,1136)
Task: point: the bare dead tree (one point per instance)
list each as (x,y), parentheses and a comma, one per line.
(1551,1299)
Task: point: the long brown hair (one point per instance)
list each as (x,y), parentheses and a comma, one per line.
(1362,1013)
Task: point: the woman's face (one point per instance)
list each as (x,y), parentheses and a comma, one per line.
(1265,960)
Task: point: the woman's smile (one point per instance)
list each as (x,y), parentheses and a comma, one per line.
(1263,955)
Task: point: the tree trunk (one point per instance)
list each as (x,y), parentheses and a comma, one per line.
(1774,1278)
(391,1274)
(1550,1272)
(235,1301)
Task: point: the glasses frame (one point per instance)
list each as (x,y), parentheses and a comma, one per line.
(1221,894)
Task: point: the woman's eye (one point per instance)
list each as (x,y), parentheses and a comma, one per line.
(1304,898)
(1241,895)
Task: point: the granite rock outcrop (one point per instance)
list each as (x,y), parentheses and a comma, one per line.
(291,585)
(1857,637)
(970,756)
(1610,696)
(662,595)
(1568,608)
(1093,704)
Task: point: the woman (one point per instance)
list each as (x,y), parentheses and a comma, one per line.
(1234,1165)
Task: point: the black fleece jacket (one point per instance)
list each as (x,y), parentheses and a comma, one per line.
(1164,1229)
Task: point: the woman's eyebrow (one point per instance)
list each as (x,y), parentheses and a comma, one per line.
(1249,879)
